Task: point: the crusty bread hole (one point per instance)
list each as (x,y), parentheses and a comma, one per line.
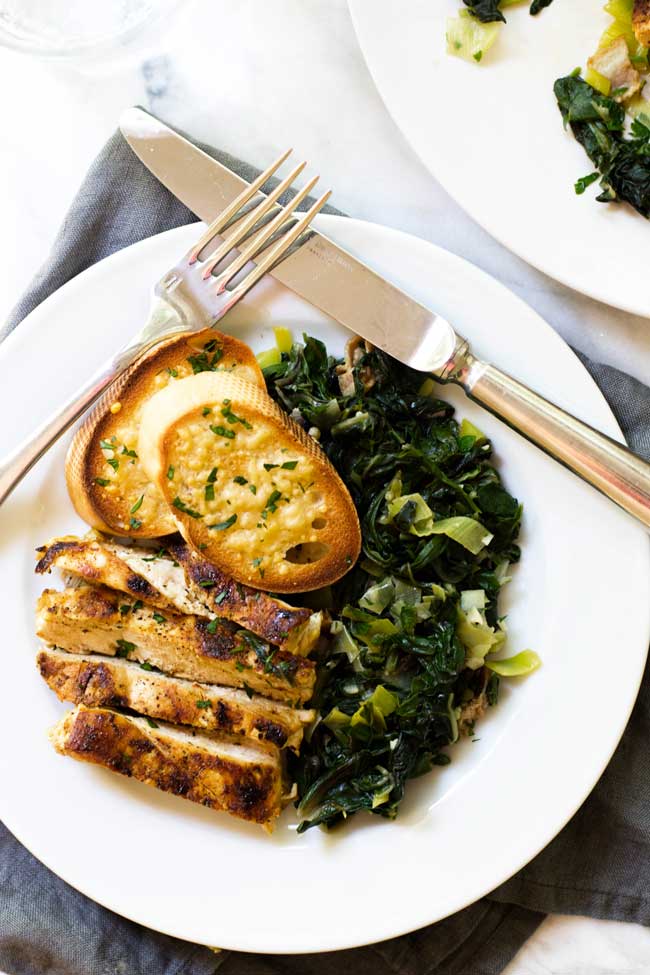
(305,553)
(319,523)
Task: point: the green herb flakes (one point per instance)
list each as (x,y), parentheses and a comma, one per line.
(220,431)
(184,508)
(124,648)
(138,504)
(223,525)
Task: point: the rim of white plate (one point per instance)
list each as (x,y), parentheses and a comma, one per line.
(544,835)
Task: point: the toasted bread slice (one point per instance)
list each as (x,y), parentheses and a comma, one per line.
(104,475)
(234,775)
(641,21)
(249,489)
(176,578)
(96,620)
(116,683)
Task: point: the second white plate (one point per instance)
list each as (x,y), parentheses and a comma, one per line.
(492,135)
(579,598)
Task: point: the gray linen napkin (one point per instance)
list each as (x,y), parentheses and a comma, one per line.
(597,866)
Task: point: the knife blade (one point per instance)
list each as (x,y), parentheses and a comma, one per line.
(334,281)
(320,271)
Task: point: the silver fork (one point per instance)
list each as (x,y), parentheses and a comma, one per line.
(191,296)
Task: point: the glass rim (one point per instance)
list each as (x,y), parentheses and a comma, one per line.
(96,44)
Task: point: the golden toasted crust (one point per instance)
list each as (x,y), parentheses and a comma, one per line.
(251,491)
(191,586)
(109,682)
(641,21)
(104,494)
(97,620)
(224,774)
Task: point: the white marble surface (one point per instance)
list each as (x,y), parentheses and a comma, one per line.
(254,77)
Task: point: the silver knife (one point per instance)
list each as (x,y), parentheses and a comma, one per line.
(350,292)
(320,271)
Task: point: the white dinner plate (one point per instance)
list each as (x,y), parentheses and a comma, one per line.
(579,598)
(492,135)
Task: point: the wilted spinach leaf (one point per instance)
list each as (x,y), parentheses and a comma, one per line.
(598,123)
(488,11)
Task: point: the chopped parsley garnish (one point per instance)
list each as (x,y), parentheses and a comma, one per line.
(220,431)
(207,360)
(138,504)
(248,690)
(212,626)
(184,508)
(135,523)
(222,525)
(252,488)
(206,411)
(206,583)
(170,472)
(231,417)
(102,481)
(159,618)
(289,465)
(203,704)
(124,648)
(106,445)
(151,722)
(209,492)
(585,181)
(114,462)
(160,554)
(212,476)
(239,666)
(240,480)
(270,467)
(172,372)
(256,562)
(129,453)
(124,609)
(271,503)
(138,604)
(220,598)
(145,665)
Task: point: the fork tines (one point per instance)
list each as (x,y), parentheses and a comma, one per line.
(268,241)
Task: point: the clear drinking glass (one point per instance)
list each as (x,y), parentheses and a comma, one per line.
(80,29)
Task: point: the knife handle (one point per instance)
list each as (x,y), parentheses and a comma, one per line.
(607,465)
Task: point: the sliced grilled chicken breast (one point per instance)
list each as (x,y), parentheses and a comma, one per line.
(177,579)
(231,774)
(116,683)
(93,619)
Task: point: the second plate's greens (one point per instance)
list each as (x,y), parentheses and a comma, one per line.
(406,671)
(608,113)
(476,28)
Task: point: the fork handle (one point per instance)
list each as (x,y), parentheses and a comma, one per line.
(14,467)
(165,320)
(607,465)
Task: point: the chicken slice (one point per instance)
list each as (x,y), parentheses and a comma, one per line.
(93,619)
(117,683)
(234,775)
(175,578)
